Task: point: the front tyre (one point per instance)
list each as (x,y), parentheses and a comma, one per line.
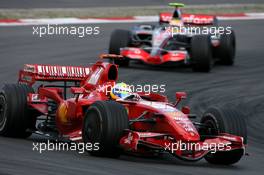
(104,124)
(224,121)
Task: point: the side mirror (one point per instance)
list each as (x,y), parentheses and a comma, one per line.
(186,110)
(77,90)
(179,97)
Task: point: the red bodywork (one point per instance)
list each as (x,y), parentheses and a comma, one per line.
(140,54)
(180,56)
(167,125)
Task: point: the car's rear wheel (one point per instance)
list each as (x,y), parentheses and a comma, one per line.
(224,121)
(227,49)
(15,116)
(120,39)
(104,124)
(201,53)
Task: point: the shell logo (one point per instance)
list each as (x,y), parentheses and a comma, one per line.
(62,112)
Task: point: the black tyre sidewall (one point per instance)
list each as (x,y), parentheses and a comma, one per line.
(113,121)
(120,39)
(226,121)
(18,116)
(227,48)
(201,53)
(3,107)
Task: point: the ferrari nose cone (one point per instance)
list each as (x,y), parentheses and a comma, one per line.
(182,124)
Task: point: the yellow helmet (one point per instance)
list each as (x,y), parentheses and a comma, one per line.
(176,22)
(120,90)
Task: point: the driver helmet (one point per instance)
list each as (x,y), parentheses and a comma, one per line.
(176,25)
(176,22)
(120,90)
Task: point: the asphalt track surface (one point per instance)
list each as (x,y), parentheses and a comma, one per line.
(106,3)
(241,86)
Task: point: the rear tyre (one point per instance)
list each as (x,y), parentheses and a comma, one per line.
(15,116)
(201,53)
(104,124)
(227,49)
(120,39)
(224,121)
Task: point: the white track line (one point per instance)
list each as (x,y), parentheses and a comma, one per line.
(135,19)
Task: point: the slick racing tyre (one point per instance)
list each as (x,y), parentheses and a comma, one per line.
(120,39)
(224,121)
(104,124)
(227,49)
(15,116)
(201,53)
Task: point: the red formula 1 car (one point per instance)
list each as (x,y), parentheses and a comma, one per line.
(140,123)
(192,40)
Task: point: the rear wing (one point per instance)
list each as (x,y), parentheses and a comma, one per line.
(36,72)
(198,19)
(195,19)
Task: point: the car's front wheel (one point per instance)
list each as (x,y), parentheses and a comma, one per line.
(104,124)
(224,121)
